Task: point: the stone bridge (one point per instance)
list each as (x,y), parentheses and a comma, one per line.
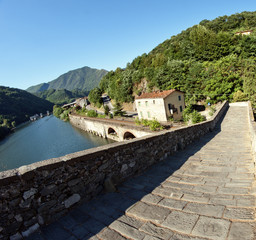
(108,128)
(204,191)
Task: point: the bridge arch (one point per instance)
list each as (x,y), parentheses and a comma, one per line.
(112,131)
(128,135)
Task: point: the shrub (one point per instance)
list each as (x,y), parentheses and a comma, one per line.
(154,125)
(196,117)
(137,121)
(239,96)
(92,113)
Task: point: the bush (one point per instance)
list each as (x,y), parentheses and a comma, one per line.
(196,117)
(154,125)
(137,121)
(239,96)
(92,113)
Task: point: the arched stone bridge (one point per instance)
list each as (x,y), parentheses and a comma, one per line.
(108,128)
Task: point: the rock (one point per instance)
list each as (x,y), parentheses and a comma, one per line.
(72,200)
(16,236)
(30,230)
(29,193)
(124,168)
(18,218)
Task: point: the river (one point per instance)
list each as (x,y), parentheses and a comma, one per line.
(45,138)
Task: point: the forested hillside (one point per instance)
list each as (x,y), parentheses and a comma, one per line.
(16,106)
(207,61)
(61,96)
(83,78)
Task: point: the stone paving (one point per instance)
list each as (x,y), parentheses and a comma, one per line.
(206,191)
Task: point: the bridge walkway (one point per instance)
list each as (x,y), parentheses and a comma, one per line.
(206,191)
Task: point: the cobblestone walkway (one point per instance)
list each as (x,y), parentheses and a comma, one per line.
(206,191)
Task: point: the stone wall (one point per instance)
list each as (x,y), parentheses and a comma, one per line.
(39,193)
(252,125)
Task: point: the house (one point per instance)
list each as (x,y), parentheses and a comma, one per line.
(248,32)
(161,105)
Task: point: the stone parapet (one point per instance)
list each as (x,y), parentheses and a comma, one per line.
(41,192)
(252,126)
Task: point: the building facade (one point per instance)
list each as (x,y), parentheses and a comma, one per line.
(161,105)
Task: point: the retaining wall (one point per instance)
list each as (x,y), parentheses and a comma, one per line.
(39,193)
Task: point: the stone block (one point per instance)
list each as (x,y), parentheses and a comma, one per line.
(241,230)
(240,213)
(127,230)
(211,228)
(172,203)
(109,234)
(30,230)
(72,200)
(29,193)
(156,231)
(205,209)
(181,221)
(149,212)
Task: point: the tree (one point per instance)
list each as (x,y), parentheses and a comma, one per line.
(95,96)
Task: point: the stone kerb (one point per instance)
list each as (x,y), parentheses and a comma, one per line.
(252,126)
(40,193)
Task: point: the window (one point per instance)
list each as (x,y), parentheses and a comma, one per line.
(146,103)
(141,114)
(154,101)
(179,97)
(139,104)
(148,114)
(180,108)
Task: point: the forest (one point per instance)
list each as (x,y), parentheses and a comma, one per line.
(16,106)
(211,62)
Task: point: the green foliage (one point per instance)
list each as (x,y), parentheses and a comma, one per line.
(83,78)
(57,111)
(196,117)
(190,115)
(17,106)
(95,96)
(92,113)
(239,96)
(61,96)
(153,125)
(106,110)
(205,61)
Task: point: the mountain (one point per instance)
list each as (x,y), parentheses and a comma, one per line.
(211,61)
(61,96)
(16,106)
(83,78)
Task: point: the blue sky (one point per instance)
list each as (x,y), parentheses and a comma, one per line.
(42,39)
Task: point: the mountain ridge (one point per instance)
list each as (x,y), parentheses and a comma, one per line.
(84,78)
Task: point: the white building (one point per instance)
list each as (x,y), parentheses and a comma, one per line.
(161,105)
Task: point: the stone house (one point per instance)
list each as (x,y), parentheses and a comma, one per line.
(161,105)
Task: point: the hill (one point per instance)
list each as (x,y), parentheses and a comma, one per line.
(83,78)
(16,106)
(210,61)
(61,96)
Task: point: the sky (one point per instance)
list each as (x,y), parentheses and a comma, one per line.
(42,39)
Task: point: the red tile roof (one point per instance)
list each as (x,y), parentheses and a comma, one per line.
(158,94)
